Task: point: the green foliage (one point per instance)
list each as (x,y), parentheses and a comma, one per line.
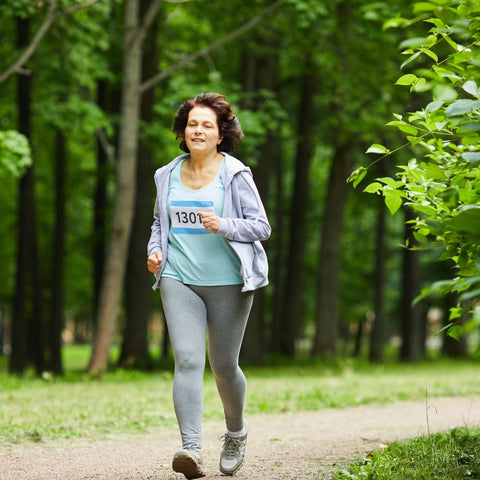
(441,182)
(452,455)
(15,155)
(21,8)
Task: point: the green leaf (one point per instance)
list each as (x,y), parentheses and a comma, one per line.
(394,184)
(447,38)
(440,125)
(413,42)
(406,128)
(456,312)
(393,201)
(472,88)
(431,54)
(455,331)
(472,157)
(421,86)
(469,127)
(426,209)
(376,148)
(433,106)
(467,220)
(420,237)
(461,107)
(374,187)
(413,140)
(408,79)
(423,7)
(360,177)
(436,21)
(357,176)
(394,23)
(445,93)
(470,294)
(395,123)
(410,59)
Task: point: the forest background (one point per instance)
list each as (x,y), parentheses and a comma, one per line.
(94,86)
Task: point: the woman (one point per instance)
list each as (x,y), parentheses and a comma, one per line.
(206,254)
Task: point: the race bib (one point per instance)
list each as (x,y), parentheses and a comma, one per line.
(185,217)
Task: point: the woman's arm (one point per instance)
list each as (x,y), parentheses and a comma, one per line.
(154,243)
(253,225)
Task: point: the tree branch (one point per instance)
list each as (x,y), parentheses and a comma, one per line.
(107,147)
(44,27)
(213,46)
(147,21)
(76,8)
(52,15)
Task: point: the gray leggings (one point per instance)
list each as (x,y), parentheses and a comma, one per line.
(192,311)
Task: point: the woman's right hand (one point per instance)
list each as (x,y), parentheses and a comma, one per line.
(154,262)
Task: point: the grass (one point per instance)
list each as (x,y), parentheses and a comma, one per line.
(454,455)
(127,401)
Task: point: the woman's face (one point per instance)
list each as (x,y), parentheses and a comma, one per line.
(201,132)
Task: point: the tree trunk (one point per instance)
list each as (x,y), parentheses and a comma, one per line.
(100,204)
(357,347)
(377,334)
(253,349)
(260,72)
(277,255)
(57,320)
(412,318)
(109,100)
(27,332)
(293,302)
(138,294)
(19,341)
(329,259)
(117,252)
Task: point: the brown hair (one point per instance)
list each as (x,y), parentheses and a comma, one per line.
(228,125)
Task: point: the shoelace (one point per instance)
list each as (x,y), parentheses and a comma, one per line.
(231,445)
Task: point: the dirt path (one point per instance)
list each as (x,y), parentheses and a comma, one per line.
(290,446)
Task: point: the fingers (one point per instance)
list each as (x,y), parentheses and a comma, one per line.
(210,221)
(154,262)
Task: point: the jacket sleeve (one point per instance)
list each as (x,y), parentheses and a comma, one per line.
(154,244)
(251,224)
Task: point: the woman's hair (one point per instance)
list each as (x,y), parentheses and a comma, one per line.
(228,126)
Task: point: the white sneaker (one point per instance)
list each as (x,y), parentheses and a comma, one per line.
(233,453)
(189,462)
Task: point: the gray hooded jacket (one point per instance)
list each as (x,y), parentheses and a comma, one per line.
(244,222)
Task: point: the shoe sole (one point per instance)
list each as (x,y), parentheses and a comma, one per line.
(186,464)
(231,472)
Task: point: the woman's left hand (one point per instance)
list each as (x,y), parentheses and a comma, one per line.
(210,221)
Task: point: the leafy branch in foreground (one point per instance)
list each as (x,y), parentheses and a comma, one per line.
(441,182)
(15,154)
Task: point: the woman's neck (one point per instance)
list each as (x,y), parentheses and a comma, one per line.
(201,162)
(197,172)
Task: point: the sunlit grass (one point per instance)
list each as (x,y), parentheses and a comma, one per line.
(355,383)
(126,401)
(452,455)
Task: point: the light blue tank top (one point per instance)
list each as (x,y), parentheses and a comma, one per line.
(196,256)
